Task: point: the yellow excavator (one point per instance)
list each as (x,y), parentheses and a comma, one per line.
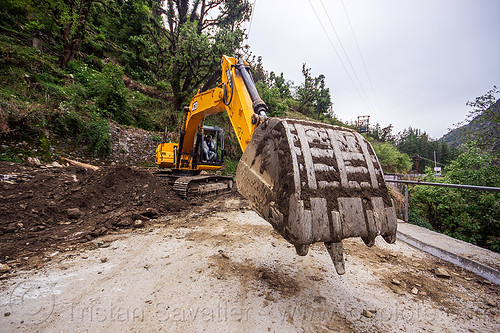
(312,182)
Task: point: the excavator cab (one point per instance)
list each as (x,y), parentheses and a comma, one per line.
(212,152)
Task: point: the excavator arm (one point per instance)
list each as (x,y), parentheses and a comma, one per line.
(311,181)
(236,95)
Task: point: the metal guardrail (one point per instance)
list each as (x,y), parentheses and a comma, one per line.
(459,186)
(465,187)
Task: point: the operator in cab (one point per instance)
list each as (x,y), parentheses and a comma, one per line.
(208,148)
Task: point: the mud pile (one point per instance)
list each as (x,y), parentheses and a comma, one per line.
(52,209)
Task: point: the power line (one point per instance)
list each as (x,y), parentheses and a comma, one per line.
(361,55)
(251,18)
(419,156)
(347,56)
(336,52)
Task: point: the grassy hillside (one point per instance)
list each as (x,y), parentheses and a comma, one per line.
(43,104)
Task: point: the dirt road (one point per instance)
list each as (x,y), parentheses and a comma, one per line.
(220,267)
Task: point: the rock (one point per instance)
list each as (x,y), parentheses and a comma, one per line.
(74,213)
(138,224)
(104,259)
(6,314)
(124,223)
(442,273)
(223,255)
(269,297)
(101,244)
(319,299)
(4,268)
(491,303)
(367,313)
(396,282)
(99,231)
(39,227)
(314,278)
(54,165)
(414,291)
(33,161)
(150,213)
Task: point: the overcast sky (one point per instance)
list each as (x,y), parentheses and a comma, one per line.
(425,59)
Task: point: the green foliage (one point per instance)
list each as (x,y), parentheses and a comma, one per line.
(312,95)
(230,166)
(198,36)
(86,126)
(486,110)
(272,97)
(106,89)
(473,216)
(416,219)
(10,155)
(112,97)
(390,158)
(421,148)
(281,84)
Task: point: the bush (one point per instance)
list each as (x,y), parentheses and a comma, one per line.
(416,219)
(469,215)
(106,89)
(230,166)
(390,158)
(271,96)
(87,126)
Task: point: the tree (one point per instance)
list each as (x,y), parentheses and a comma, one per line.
(473,216)
(487,132)
(418,145)
(313,96)
(67,18)
(135,34)
(281,84)
(199,32)
(390,158)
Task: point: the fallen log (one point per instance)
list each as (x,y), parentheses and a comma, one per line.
(80,164)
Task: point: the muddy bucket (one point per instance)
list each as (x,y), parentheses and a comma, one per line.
(316,183)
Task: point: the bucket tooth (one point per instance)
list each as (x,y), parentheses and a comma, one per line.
(316,182)
(301,249)
(390,238)
(336,252)
(369,241)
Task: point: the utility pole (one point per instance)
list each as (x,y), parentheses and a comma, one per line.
(437,170)
(363,123)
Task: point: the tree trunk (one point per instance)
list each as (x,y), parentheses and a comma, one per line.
(71,44)
(69,51)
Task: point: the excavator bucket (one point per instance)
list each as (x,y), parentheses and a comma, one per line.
(316,183)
